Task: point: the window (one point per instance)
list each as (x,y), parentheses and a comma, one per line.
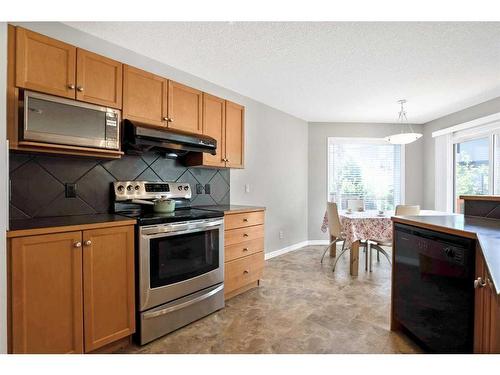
(467,161)
(370,169)
(472,169)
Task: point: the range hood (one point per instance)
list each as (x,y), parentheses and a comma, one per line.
(139,138)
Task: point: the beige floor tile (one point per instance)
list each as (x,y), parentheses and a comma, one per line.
(300,307)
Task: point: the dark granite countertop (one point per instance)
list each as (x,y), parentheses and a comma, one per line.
(231,208)
(486,231)
(40,225)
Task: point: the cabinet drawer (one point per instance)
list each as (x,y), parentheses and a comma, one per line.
(243,271)
(243,249)
(245,219)
(235,236)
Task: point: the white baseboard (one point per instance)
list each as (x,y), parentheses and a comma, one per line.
(317,242)
(294,247)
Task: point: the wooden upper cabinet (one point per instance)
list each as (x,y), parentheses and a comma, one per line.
(235,135)
(45,64)
(46,292)
(98,79)
(108,266)
(185,108)
(144,97)
(214,126)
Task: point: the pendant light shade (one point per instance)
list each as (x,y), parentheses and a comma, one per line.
(403,138)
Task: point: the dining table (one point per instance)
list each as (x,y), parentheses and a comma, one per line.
(357,226)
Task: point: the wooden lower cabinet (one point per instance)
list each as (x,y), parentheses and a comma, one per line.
(243,251)
(71,292)
(47,294)
(108,285)
(487,311)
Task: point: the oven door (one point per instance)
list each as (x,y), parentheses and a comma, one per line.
(179,259)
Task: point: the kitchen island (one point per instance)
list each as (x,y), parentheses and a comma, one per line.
(479,278)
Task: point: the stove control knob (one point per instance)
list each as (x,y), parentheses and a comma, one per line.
(129,188)
(180,187)
(450,252)
(186,187)
(137,187)
(120,188)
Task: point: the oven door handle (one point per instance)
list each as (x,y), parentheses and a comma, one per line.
(174,229)
(155,314)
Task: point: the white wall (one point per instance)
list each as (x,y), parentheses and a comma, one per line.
(275,147)
(318,162)
(467,114)
(3,190)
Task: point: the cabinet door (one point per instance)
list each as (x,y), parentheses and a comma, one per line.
(486,311)
(108,285)
(184,108)
(46,290)
(492,313)
(480,319)
(45,64)
(98,79)
(235,135)
(214,126)
(144,97)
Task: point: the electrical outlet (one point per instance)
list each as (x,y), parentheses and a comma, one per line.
(207,188)
(247,188)
(281,234)
(199,189)
(70,190)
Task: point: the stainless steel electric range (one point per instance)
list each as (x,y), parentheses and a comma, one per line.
(179,257)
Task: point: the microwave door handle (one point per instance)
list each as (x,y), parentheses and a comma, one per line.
(167,310)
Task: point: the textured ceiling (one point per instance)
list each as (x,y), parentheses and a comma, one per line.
(329,71)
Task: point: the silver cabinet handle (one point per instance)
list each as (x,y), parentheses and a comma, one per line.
(165,118)
(71,86)
(77,244)
(479,283)
(88,243)
(167,310)
(80,88)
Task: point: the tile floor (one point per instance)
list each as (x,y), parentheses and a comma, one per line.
(300,307)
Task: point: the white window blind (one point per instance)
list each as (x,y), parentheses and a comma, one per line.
(368,170)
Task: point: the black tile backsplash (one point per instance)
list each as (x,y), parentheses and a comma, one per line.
(37,182)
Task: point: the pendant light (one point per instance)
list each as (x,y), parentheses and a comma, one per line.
(403,138)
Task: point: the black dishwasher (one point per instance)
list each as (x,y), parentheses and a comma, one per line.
(433,290)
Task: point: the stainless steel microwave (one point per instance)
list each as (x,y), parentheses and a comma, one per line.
(51,119)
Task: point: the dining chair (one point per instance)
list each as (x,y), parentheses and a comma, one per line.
(401,210)
(356,204)
(334,228)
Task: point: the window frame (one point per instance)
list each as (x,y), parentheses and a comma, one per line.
(363,140)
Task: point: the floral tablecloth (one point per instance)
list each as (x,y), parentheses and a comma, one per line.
(363,225)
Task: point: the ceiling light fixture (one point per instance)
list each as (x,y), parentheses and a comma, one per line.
(403,138)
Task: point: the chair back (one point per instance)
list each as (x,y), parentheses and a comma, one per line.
(407,210)
(333,219)
(355,204)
